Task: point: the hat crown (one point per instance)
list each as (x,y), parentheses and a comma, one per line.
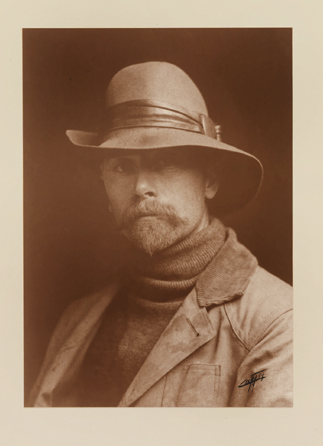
(159,81)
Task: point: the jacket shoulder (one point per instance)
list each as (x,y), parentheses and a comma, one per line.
(265,299)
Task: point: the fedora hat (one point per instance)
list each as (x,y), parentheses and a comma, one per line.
(156,105)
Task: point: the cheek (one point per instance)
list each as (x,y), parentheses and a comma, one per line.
(119,195)
(188,192)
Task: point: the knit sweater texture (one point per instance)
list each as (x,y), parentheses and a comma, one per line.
(153,289)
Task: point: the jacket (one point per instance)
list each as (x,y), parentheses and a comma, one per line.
(228,345)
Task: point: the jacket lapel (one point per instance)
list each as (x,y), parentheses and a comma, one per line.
(189,329)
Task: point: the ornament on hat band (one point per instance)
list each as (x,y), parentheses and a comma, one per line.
(148,113)
(218,132)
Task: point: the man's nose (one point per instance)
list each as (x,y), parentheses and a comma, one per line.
(145,185)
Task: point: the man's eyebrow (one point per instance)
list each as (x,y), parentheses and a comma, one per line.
(121,156)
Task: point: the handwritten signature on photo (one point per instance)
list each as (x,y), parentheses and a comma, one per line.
(257,376)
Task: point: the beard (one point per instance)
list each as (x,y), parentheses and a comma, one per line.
(152,226)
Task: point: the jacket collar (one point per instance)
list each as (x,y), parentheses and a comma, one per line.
(228,274)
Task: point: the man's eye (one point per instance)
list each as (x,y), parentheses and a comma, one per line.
(119,168)
(123,167)
(165,162)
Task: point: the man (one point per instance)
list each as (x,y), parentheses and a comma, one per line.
(192,320)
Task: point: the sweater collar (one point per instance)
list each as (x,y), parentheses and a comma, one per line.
(224,276)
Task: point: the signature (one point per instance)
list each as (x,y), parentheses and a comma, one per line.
(258,376)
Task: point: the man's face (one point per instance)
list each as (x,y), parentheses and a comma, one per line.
(157,197)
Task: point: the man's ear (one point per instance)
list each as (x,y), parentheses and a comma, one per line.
(212,182)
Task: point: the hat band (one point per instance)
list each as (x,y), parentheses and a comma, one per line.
(148,113)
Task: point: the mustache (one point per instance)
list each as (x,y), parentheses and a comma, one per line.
(154,208)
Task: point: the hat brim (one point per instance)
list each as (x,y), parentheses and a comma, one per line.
(242,175)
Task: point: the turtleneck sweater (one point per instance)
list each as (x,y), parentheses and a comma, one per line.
(153,288)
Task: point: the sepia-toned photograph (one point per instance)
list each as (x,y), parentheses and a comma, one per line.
(158,217)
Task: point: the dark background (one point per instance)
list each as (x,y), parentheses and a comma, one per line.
(245,76)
